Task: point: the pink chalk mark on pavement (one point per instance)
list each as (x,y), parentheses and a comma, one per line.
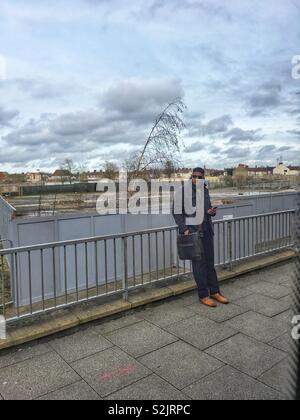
(119,371)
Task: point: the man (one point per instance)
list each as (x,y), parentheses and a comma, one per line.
(204,268)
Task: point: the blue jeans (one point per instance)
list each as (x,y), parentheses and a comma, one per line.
(204,270)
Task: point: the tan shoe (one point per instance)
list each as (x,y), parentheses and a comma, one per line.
(208,302)
(219,298)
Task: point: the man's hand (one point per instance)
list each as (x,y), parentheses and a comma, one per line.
(186,232)
(212,212)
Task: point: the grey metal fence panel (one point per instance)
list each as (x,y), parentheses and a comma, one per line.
(60,273)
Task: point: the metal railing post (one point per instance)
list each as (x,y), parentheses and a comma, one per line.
(125,267)
(229,238)
(293,230)
(2,279)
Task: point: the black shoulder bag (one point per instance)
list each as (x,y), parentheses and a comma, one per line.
(190,247)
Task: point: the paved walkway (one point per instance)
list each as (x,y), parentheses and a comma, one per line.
(173,350)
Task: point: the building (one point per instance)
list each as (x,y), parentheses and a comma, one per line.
(261,172)
(228,172)
(283,170)
(3,176)
(62,176)
(241,171)
(244,171)
(36,177)
(294,170)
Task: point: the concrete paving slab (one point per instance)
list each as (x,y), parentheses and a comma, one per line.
(35,377)
(180,364)
(167,314)
(279,274)
(249,280)
(110,370)
(220,314)
(80,344)
(285,317)
(189,299)
(200,332)
(274,291)
(287,282)
(21,353)
(140,338)
(257,326)
(230,384)
(288,300)
(247,355)
(126,320)
(263,305)
(234,291)
(80,391)
(278,377)
(151,388)
(285,343)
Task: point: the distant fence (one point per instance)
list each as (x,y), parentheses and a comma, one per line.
(55,275)
(82,188)
(6,212)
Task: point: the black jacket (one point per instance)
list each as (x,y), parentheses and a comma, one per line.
(207,225)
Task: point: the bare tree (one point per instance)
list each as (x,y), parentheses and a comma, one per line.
(111,170)
(82,172)
(169,168)
(131,165)
(70,168)
(164,141)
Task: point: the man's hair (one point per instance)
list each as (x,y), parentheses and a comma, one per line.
(201,170)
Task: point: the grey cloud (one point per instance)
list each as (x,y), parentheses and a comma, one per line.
(284,148)
(80,134)
(204,7)
(195,147)
(140,100)
(238,152)
(37,89)
(270,153)
(6,116)
(266,98)
(266,150)
(214,127)
(293,112)
(214,150)
(294,132)
(79,123)
(238,135)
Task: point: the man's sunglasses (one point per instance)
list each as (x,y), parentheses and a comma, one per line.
(198,177)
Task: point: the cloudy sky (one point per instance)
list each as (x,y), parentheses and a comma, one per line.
(85,79)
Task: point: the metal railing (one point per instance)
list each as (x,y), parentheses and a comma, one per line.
(47,277)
